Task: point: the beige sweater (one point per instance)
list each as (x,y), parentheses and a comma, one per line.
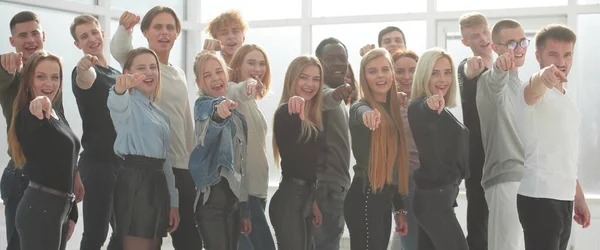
(173,99)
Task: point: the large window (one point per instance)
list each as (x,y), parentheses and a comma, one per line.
(453,5)
(141,7)
(252,10)
(325,8)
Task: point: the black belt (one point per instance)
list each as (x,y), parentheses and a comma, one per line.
(302,182)
(67,196)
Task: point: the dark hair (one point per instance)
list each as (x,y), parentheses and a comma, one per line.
(554,32)
(326,41)
(388,30)
(147,20)
(501,25)
(23,17)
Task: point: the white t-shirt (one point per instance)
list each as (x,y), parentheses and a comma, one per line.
(549,132)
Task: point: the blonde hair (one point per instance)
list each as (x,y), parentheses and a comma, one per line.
(427,61)
(24,96)
(470,20)
(313,123)
(140,51)
(231,17)
(201,58)
(82,19)
(238,60)
(388,153)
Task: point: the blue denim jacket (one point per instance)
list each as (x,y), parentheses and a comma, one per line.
(215,146)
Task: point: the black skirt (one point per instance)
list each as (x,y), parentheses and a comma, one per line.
(141,198)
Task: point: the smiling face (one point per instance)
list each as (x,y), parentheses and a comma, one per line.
(478,38)
(379,76)
(509,35)
(27,38)
(335,64)
(308,82)
(392,41)
(253,66)
(47,79)
(214,79)
(405,70)
(90,38)
(231,37)
(145,64)
(161,33)
(441,77)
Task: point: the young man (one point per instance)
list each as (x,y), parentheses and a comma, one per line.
(228,32)
(27,37)
(503,166)
(98,164)
(333,174)
(391,38)
(548,120)
(475,35)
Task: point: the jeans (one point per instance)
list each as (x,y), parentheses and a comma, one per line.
(330,198)
(260,238)
(219,219)
(186,237)
(12,186)
(291,216)
(477,210)
(439,228)
(42,220)
(98,179)
(546,222)
(410,240)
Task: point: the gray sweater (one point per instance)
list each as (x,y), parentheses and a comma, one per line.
(496,98)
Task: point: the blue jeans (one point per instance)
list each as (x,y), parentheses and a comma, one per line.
(12,186)
(260,238)
(330,199)
(410,241)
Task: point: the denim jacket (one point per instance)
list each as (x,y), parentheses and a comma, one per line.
(214,149)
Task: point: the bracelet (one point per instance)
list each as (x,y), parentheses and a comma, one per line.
(401,211)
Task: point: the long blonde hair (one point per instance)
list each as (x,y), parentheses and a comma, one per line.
(238,60)
(24,96)
(388,146)
(313,122)
(420,87)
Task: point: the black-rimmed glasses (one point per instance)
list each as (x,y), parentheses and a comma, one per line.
(524,43)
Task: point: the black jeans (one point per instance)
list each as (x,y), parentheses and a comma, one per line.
(330,198)
(290,212)
(12,186)
(477,210)
(186,237)
(434,211)
(546,222)
(42,220)
(98,179)
(260,238)
(219,219)
(368,216)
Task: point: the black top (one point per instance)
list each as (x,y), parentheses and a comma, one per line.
(361,146)
(299,159)
(443,144)
(99,134)
(468,91)
(51,150)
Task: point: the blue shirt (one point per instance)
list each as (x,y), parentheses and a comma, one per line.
(142,129)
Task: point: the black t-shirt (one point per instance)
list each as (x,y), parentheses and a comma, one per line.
(50,148)
(299,159)
(468,92)
(99,134)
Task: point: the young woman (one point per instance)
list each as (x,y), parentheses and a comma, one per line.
(218,162)
(161,27)
(351,80)
(145,198)
(41,137)
(250,67)
(299,142)
(405,63)
(381,170)
(443,144)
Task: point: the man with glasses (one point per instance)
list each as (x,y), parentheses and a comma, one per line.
(503,167)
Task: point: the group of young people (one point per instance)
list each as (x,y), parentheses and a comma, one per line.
(153,165)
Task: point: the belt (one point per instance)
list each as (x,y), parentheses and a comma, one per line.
(67,196)
(302,182)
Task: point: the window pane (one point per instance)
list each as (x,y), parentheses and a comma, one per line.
(59,42)
(280,57)
(140,7)
(454,5)
(588,1)
(84,1)
(587,69)
(177,56)
(324,8)
(252,10)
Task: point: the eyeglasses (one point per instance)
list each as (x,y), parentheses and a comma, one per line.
(524,43)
